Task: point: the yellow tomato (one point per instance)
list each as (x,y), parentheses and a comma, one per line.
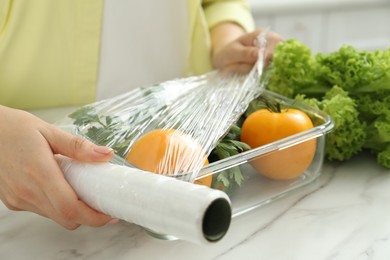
(264,127)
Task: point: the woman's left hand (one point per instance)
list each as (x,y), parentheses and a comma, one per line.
(236,51)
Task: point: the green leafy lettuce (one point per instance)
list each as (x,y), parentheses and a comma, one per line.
(352,86)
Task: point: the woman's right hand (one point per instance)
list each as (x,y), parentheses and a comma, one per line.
(30,178)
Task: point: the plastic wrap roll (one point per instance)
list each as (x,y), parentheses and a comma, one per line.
(158,203)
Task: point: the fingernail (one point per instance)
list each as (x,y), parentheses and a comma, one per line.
(113,221)
(103,150)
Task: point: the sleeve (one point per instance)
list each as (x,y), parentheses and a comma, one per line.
(4,10)
(237,11)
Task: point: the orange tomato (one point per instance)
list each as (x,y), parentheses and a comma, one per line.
(264,127)
(168,151)
(206,180)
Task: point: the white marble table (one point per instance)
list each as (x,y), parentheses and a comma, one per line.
(344,214)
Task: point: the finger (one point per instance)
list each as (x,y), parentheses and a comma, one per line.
(273,39)
(31,196)
(76,147)
(63,204)
(77,213)
(49,194)
(90,216)
(250,39)
(69,209)
(247,55)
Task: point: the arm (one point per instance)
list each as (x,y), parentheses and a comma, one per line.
(30,178)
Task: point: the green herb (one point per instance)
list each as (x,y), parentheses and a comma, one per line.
(102,130)
(229,146)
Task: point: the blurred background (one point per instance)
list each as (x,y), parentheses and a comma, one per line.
(325,25)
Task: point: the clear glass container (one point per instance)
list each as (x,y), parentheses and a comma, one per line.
(256,189)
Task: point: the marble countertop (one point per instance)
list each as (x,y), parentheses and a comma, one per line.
(342,215)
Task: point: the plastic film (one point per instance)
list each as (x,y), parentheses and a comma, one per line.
(171,128)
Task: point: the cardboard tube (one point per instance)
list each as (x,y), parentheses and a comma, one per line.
(158,203)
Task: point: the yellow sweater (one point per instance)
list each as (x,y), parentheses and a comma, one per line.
(49,50)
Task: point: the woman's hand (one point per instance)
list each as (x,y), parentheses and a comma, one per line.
(30,178)
(237,51)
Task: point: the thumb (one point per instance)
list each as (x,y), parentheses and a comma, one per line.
(75,147)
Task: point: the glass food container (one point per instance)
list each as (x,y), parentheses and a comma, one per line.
(257,190)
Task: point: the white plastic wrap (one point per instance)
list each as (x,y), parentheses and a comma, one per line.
(183,120)
(162,204)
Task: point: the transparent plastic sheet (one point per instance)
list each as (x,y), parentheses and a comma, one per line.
(189,115)
(199,110)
